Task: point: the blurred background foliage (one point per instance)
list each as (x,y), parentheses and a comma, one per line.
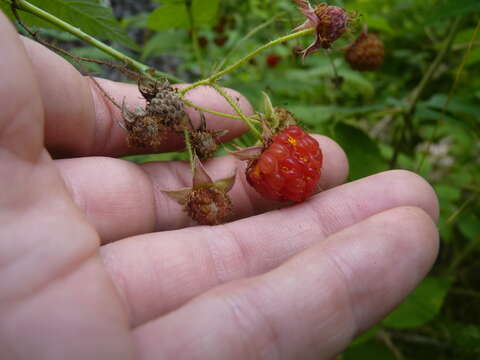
(420,111)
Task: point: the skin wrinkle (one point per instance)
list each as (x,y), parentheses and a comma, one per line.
(101,134)
(218,258)
(247,311)
(153,197)
(347,291)
(162,201)
(118,280)
(59,274)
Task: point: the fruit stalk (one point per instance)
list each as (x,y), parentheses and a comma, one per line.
(188,145)
(239,111)
(211,79)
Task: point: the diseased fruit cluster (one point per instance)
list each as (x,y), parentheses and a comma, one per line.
(164,112)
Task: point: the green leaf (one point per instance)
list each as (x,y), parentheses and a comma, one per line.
(88,15)
(421,306)
(366,336)
(454,8)
(447,193)
(164,42)
(363,153)
(368,351)
(378,23)
(168,16)
(204,11)
(469,225)
(174,14)
(466,339)
(456,105)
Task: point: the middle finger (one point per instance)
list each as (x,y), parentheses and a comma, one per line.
(157,273)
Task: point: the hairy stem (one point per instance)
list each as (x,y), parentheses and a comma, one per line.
(239,111)
(140,67)
(210,80)
(246,37)
(188,144)
(213,112)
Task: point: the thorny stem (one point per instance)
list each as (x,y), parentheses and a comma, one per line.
(239,111)
(140,67)
(210,80)
(188,144)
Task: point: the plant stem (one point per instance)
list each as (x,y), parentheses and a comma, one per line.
(239,111)
(418,91)
(467,250)
(462,209)
(216,76)
(140,67)
(201,108)
(246,37)
(450,95)
(188,144)
(332,63)
(213,112)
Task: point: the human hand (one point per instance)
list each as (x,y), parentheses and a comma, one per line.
(83,274)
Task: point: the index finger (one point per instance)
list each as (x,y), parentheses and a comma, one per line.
(81,121)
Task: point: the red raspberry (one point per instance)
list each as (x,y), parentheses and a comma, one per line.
(272,60)
(220,41)
(289,168)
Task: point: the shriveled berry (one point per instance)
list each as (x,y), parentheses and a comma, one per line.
(205,142)
(208,206)
(329,22)
(366,53)
(289,168)
(168,105)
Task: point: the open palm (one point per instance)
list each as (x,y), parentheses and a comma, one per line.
(95,263)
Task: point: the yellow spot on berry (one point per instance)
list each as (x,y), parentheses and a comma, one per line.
(292,141)
(256,172)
